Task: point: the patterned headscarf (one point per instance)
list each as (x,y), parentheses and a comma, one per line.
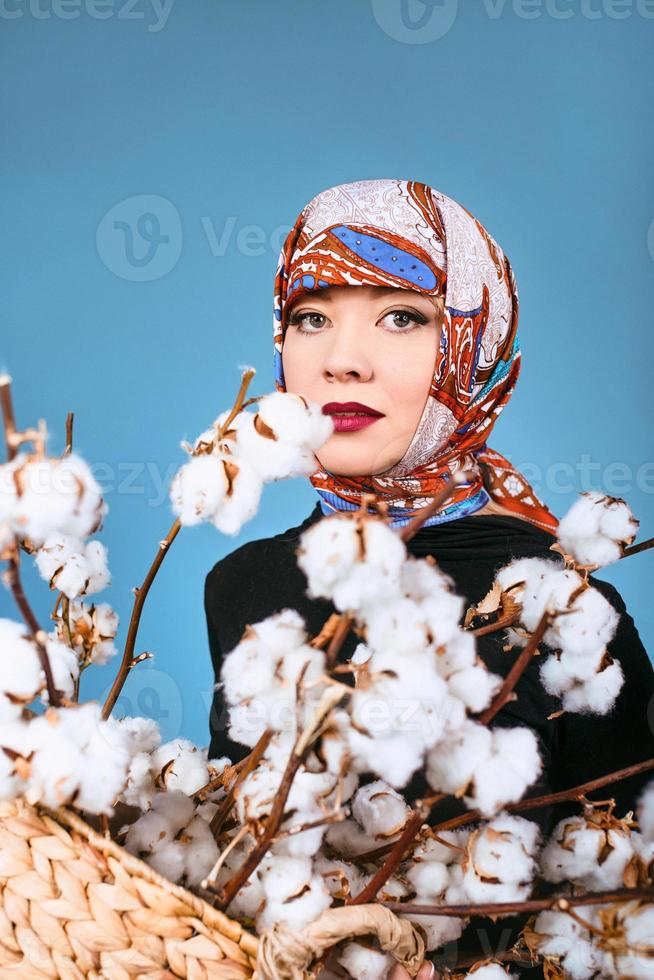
(405,234)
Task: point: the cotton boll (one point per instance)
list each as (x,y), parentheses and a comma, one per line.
(341,879)
(500,860)
(428,879)
(448,849)
(475,686)
(169,860)
(143,733)
(140,788)
(295,419)
(175,806)
(590,623)
(280,438)
(379,809)
(14,738)
(364,962)
(550,590)
(569,943)
(405,696)
(618,522)
(490,971)
(503,777)
(354,561)
(443,611)
(241,500)
(395,756)
(147,833)
(56,495)
(645,812)
(459,653)
(20,667)
(64,666)
(596,529)
(638,923)
(283,877)
(201,851)
(78,755)
(248,670)
(295,661)
(596,695)
(181,765)
(298,911)
(198,488)
(96,556)
(348,839)
(452,763)
(55,552)
(515,575)
(437,930)
(421,579)
(257,792)
(587,854)
(398,626)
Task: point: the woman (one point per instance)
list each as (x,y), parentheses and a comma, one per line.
(390,295)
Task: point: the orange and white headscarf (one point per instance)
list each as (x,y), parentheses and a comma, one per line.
(405,234)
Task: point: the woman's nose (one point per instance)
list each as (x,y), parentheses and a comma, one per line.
(345,357)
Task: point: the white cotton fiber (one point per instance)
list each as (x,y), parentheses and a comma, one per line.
(379,809)
(354,561)
(513,765)
(453,761)
(198,487)
(364,962)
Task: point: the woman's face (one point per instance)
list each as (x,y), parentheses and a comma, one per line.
(367,344)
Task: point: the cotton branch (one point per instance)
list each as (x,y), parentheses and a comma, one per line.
(298,754)
(518,668)
(398,850)
(529,803)
(13,439)
(129,660)
(559,904)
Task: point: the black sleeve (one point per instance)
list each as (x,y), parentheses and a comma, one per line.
(220,743)
(589,746)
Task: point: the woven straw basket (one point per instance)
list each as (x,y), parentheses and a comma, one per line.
(75,904)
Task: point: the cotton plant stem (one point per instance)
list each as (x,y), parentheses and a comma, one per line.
(549,799)
(251,762)
(129,660)
(238,879)
(13,439)
(517,670)
(398,850)
(635,549)
(69,434)
(559,904)
(530,803)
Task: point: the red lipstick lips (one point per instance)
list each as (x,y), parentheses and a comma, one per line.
(350,416)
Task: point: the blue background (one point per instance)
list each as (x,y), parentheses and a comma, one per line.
(223,120)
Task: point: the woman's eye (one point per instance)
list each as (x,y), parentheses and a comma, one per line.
(305,321)
(402,318)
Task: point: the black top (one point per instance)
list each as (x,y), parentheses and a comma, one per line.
(262,577)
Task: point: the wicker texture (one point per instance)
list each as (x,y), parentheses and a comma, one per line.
(75,904)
